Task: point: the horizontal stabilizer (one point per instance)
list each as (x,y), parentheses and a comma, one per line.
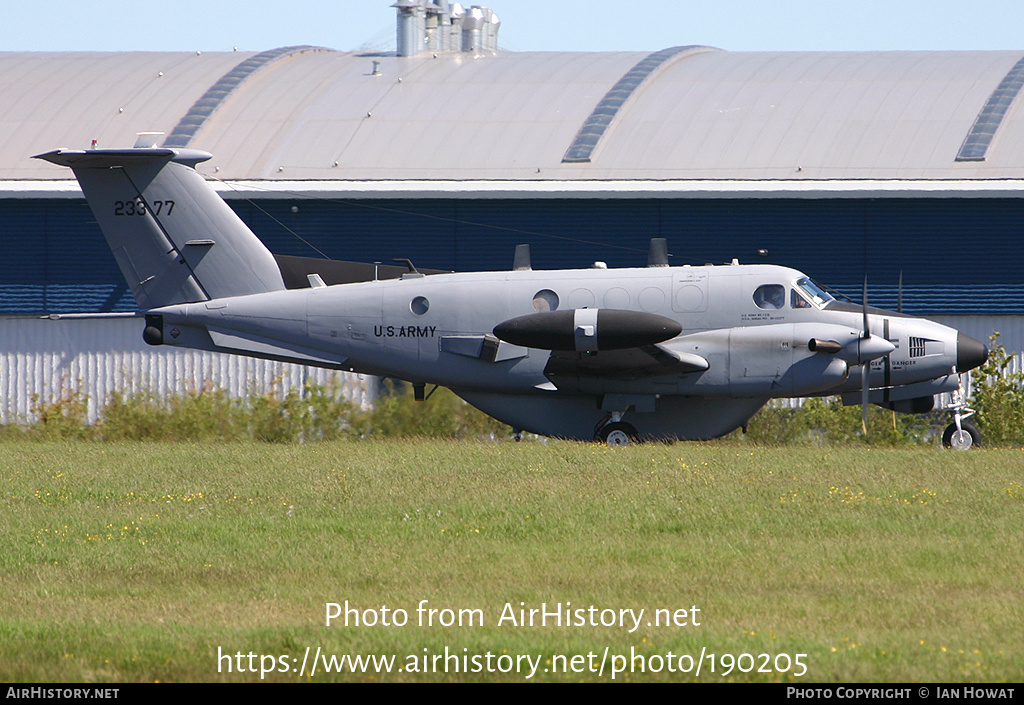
(106,158)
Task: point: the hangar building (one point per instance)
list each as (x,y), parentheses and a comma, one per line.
(896,165)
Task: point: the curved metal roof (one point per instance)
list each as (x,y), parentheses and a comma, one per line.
(73,98)
(312,114)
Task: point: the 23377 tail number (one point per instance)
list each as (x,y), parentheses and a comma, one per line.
(139,207)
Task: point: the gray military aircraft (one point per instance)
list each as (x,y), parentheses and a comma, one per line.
(681,352)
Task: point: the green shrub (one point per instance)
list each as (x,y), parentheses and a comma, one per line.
(201,413)
(321,412)
(443,415)
(827,421)
(64,414)
(998,397)
(315,412)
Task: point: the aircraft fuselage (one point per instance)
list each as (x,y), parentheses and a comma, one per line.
(439,330)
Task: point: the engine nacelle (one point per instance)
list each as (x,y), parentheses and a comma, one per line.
(917,405)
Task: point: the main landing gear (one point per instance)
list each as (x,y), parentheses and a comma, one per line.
(615,432)
(960,434)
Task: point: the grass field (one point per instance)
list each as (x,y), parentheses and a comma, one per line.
(161,561)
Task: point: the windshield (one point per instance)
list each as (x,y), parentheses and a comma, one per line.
(813,292)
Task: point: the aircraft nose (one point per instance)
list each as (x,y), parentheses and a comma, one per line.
(970,353)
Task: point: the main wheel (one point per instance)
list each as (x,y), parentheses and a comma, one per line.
(618,434)
(966,438)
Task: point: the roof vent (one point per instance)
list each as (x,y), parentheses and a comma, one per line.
(441,27)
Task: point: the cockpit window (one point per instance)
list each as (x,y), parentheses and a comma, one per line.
(770,296)
(814,293)
(797,301)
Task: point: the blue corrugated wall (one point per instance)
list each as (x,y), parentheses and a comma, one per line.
(958,256)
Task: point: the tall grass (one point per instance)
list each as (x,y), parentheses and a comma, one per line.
(321,412)
(316,412)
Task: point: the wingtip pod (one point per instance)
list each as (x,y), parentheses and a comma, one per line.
(587,330)
(90,158)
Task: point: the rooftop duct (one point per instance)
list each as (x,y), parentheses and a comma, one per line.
(441,27)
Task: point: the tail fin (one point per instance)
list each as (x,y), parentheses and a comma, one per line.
(174,238)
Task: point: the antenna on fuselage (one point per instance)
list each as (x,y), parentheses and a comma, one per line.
(408,263)
(657,253)
(521,259)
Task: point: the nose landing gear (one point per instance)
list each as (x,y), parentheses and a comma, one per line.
(960,434)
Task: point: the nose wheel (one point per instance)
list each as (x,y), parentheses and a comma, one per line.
(960,434)
(963,438)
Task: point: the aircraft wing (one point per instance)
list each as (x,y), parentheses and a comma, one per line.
(628,363)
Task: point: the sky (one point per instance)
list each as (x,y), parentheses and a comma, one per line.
(527,25)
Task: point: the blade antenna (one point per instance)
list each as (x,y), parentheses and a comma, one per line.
(521,259)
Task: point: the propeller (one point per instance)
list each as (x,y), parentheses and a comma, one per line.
(865,369)
(899,309)
(857,351)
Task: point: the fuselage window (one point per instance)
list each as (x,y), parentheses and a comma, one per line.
(419,305)
(545,300)
(770,296)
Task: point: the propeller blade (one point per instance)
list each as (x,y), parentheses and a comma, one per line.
(865,369)
(865,392)
(899,300)
(867,328)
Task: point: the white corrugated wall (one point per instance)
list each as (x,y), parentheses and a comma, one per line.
(42,357)
(1010,329)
